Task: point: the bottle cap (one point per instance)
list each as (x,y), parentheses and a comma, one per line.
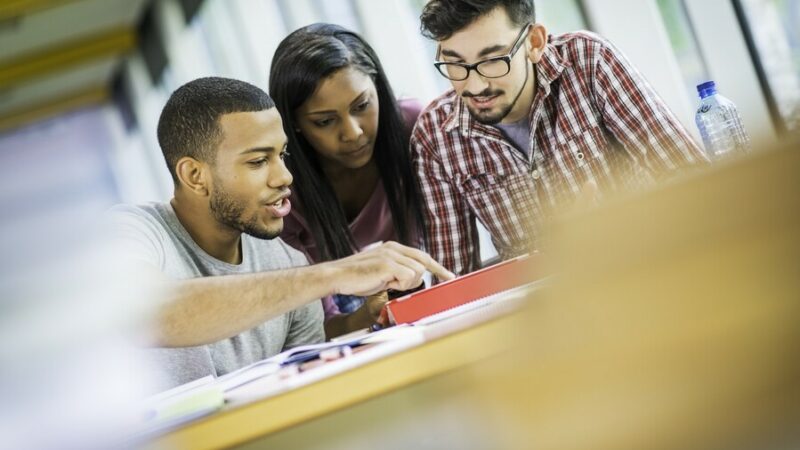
(706,89)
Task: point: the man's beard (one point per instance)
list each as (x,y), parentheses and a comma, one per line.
(229,211)
(486,118)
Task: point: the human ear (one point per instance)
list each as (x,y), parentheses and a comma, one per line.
(193,175)
(537,42)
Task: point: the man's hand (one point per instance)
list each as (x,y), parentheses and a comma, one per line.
(387,266)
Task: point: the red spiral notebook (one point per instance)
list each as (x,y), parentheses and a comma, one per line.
(462,290)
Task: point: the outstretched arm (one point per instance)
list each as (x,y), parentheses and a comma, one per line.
(205,310)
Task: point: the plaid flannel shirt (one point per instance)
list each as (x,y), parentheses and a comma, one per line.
(594,119)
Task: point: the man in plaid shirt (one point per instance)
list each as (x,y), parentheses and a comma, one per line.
(533,121)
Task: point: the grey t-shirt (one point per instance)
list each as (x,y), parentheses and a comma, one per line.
(151,233)
(519,133)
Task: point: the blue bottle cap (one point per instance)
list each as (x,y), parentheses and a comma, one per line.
(706,89)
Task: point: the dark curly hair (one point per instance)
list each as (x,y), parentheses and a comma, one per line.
(440,19)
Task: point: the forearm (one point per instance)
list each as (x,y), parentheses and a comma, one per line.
(205,310)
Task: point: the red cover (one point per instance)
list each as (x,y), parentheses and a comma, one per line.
(474,286)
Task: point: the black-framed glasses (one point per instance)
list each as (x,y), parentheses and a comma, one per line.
(495,67)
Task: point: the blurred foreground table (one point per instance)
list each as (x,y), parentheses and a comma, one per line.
(674,322)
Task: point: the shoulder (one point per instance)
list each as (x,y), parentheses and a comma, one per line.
(296,231)
(138,231)
(410,108)
(433,117)
(573,41)
(581,48)
(295,222)
(441,106)
(132,211)
(145,217)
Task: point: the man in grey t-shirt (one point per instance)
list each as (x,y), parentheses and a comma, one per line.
(152,234)
(237,293)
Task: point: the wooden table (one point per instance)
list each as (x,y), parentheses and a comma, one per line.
(673,323)
(450,345)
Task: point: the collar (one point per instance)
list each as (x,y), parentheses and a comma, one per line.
(548,70)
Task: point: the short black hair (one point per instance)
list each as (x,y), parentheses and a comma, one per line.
(440,19)
(189,122)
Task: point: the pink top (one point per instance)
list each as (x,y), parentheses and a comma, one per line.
(372,224)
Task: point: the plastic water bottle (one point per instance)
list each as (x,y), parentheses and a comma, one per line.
(719,123)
